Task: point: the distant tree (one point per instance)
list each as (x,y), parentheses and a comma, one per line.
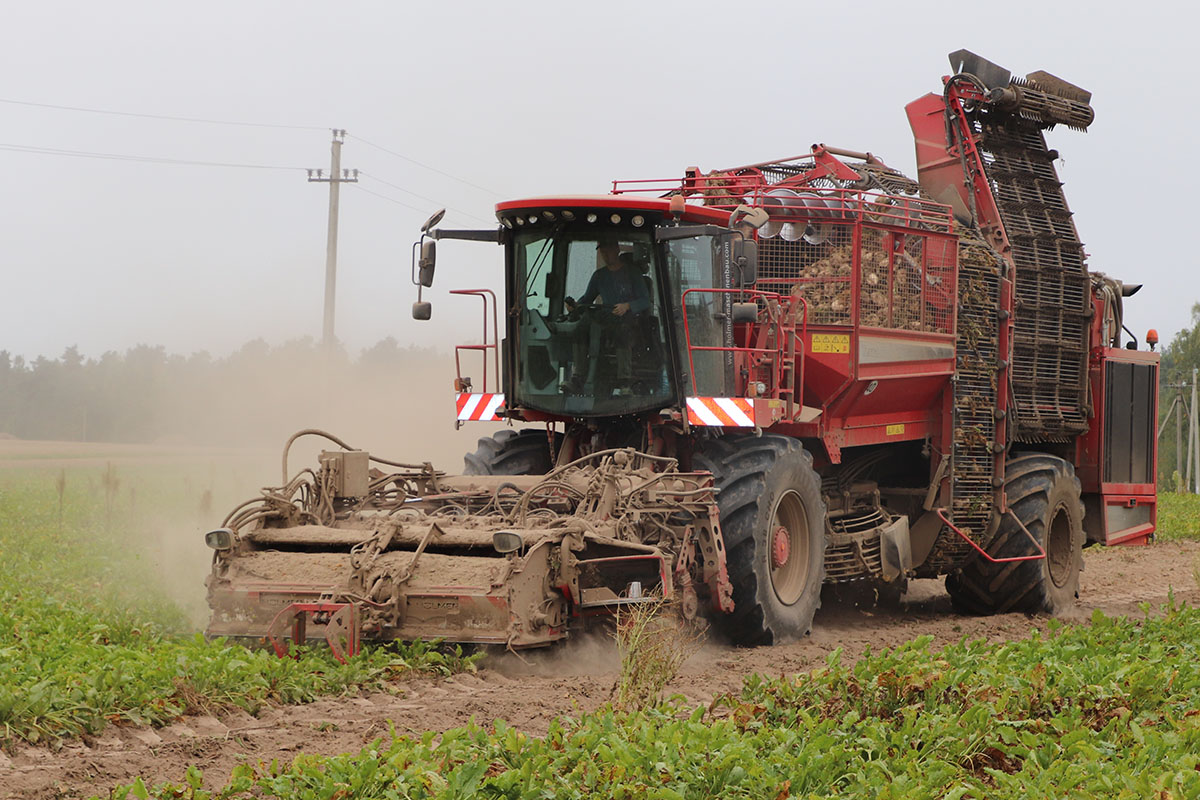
(146,394)
(1178,359)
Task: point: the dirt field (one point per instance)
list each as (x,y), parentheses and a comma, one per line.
(564,681)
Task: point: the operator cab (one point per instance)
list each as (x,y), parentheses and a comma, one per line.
(591,332)
(596,331)
(614,306)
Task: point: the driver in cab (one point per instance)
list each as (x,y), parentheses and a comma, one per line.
(622,291)
(619,286)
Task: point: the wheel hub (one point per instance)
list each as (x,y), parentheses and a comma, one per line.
(781,547)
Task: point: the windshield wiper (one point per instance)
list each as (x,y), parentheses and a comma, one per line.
(540,259)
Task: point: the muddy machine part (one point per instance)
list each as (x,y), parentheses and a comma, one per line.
(351,552)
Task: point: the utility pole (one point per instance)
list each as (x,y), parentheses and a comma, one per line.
(1194,444)
(337,176)
(1179,433)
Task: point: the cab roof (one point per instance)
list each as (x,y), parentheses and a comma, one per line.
(655,205)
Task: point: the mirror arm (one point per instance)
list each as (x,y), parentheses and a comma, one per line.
(495,235)
(688,232)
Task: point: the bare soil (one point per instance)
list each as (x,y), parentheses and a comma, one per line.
(529,692)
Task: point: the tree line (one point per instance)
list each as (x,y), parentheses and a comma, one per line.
(146,395)
(261,392)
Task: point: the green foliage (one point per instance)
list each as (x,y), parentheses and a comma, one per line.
(1106,710)
(1178,517)
(88,637)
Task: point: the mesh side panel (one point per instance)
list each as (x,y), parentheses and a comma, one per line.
(975,391)
(820,273)
(874,306)
(908,285)
(940,273)
(910,289)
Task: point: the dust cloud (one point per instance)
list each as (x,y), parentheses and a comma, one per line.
(222,441)
(403,412)
(399,405)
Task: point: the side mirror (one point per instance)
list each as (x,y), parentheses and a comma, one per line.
(422,310)
(745,312)
(427,262)
(745,258)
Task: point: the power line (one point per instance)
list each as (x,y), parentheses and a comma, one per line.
(203,120)
(425,166)
(362,188)
(52,151)
(423,197)
(165,116)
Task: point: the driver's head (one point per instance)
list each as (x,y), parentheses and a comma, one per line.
(608,253)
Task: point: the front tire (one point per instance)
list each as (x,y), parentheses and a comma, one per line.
(511,452)
(773,524)
(1044,494)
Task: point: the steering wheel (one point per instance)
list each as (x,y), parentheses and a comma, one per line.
(594,311)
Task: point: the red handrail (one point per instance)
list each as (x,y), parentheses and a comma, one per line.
(786,340)
(888,209)
(1041,551)
(484,295)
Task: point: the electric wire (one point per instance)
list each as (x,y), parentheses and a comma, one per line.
(54,151)
(359,187)
(362,188)
(411,160)
(37,150)
(51,151)
(165,116)
(423,197)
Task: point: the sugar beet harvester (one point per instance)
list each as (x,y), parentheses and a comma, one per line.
(741,385)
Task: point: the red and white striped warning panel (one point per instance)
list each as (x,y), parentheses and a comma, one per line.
(479,406)
(728,412)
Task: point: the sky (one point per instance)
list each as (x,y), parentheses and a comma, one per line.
(465,104)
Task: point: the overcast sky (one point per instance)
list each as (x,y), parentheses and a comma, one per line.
(511,100)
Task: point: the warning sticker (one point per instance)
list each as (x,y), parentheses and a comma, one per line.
(895,430)
(831,343)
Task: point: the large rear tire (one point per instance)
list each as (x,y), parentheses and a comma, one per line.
(773,525)
(1043,493)
(510,452)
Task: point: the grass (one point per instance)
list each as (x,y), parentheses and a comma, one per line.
(1178,517)
(1106,710)
(653,641)
(89,635)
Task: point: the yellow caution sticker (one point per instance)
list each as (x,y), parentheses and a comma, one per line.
(895,430)
(831,343)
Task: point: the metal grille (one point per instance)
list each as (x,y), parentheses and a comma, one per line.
(907,288)
(853,560)
(1052,299)
(875,280)
(941,273)
(972,462)
(821,273)
(852,548)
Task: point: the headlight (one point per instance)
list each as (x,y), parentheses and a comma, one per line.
(220,539)
(505,542)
